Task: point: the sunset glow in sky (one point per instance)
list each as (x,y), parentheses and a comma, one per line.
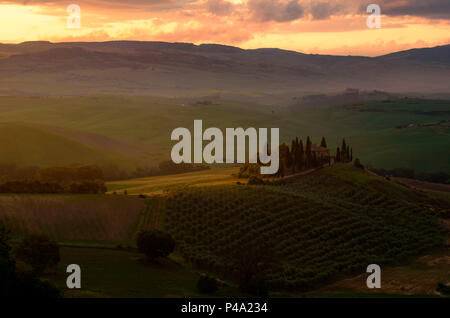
(326,27)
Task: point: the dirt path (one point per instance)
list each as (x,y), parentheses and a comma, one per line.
(307,171)
(424,185)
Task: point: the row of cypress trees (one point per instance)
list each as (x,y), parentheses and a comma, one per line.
(345,153)
(299,156)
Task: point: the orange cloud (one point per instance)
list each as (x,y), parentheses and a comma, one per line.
(335,27)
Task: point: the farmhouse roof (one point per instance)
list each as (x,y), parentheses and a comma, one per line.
(316,148)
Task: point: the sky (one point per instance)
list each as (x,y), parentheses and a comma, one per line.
(320,27)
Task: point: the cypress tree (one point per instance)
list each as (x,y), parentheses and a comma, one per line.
(301,155)
(284,157)
(294,155)
(308,146)
(343,150)
(323,143)
(338,155)
(308,152)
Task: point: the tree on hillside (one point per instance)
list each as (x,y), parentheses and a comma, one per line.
(338,155)
(14,284)
(285,160)
(323,143)
(59,175)
(308,152)
(344,151)
(344,145)
(39,252)
(281,170)
(288,159)
(315,162)
(252,261)
(301,155)
(155,243)
(294,155)
(92,172)
(308,146)
(357,163)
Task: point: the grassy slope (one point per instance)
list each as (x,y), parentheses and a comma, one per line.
(26,145)
(115,273)
(375,139)
(147,123)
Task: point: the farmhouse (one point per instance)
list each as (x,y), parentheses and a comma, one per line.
(321,152)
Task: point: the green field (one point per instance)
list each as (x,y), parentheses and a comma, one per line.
(162,184)
(116,273)
(133,131)
(28,146)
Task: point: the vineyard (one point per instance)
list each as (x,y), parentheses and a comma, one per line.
(329,224)
(95,218)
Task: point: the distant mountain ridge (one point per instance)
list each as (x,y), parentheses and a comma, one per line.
(179,69)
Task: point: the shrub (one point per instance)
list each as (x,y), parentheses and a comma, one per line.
(25,285)
(88,187)
(155,244)
(248,170)
(253,180)
(357,164)
(207,285)
(39,252)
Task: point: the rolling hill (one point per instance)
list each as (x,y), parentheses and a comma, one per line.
(328,224)
(182,69)
(28,145)
(135,131)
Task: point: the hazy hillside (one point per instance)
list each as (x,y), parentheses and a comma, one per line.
(26,145)
(136,130)
(157,68)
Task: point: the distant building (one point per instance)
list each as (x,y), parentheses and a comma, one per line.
(320,152)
